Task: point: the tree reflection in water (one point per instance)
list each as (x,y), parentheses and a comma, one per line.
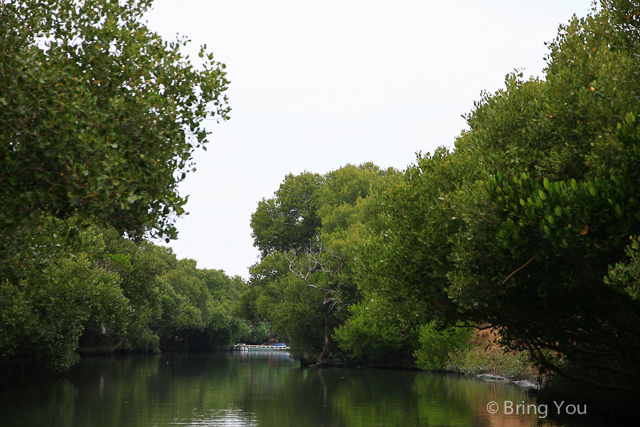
(265,389)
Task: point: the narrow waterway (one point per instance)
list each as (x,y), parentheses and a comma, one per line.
(257,389)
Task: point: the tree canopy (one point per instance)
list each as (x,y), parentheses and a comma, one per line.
(99,118)
(529,224)
(108,293)
(306,234)
(99,115)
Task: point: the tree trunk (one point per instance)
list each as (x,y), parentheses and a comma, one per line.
(116,345)
(325,347)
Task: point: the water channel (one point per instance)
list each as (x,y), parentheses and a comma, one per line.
(265,389)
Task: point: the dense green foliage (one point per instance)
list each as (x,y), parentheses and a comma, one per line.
(44,313)
(99,118)
(373,329)
(259,334)
(529,226)
(143,297)
(290,220)
(307,234)
(199,306)
(436,347)
(525,225)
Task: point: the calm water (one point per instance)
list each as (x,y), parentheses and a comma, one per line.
(253,389)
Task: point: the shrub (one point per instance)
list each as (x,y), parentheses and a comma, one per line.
(436,347)
(491,360)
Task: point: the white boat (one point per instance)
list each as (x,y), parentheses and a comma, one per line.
(249,347)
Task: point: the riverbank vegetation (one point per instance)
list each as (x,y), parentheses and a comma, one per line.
(106,294)
(305,276)
(99,118)
(528,227)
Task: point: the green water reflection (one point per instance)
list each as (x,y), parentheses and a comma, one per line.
(246,389)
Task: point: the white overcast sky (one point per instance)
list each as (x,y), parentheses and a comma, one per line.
(319,84)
